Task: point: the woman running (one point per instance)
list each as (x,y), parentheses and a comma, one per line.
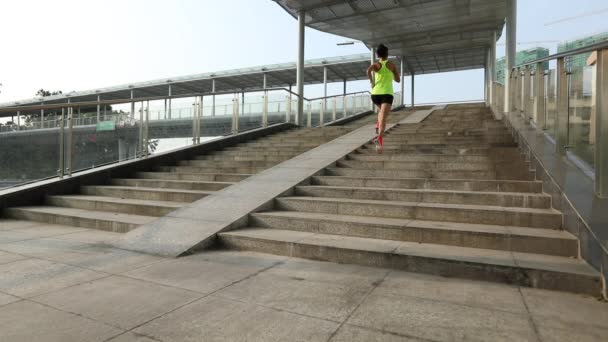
(382,89)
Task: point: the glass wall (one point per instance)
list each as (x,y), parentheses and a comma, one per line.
(581,109)
(551,98)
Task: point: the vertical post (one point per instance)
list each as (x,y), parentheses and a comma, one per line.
(344,88)
(324,81)
(169,103)
(309,119)
(601,124)
(200,120)
(486,81)
(300,66)
(511,23)
(344,106)
(492,67)
(526,95)
(42,116)
(235,114)
(561,120)
(288,108)
(132,105)
(265,105)
(372,60)
(213,97)
(321,113)
(539,103)
(69,143)
(413,89)
(243,103)
(333,114)
(141,130)
(98,108)
(146,129)
(61,170)
(18,120)
(402,70)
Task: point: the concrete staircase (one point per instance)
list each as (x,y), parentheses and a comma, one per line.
(450,196)
(124,204)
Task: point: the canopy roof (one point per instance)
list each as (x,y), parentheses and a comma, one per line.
(339,69)
(432,35)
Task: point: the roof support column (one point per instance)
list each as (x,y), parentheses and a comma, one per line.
(300,66)
(511,23)
(213,97)
(402,70)
(344,92)
(601,124)
(324,88)
(413,75)
(492,66)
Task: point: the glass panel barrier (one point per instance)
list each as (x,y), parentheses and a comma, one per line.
(581,111)
(170,131)
(551,98)
(250,115)
(531,97)
(25,156)
(277,107)
(112,138)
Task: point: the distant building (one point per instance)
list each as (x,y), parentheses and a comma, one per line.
(580,61)
(520,57)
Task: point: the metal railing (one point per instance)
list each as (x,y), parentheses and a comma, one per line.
(68,142)
(565,96)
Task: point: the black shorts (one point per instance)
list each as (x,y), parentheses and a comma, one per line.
(380,99)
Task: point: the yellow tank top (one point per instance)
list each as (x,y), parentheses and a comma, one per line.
(384,80)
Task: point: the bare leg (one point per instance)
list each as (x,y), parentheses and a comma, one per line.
(385,109)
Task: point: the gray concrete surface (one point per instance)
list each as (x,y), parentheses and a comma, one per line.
(81,289)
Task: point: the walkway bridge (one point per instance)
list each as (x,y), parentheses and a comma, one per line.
(482,205)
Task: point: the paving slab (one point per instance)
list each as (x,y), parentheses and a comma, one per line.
(105,259)
(119,301)
(229,207)
(204,275)
(92,236)
(42,248)
(33,322)
(6,257)
(459,291)
(9,224)
(7,299)
(333,302)
(441,321)
(131,337)
(48,230)
(31,277)
(349,333)
(217,319)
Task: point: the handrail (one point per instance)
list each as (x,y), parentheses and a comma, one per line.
(588,48)
(154,98)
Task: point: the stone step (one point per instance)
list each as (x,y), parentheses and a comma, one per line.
(503,199)
(521,269)
(171,184)
(266,148)
(306,144)
(246,157)
(226,163)
(222,170)
(443,158)
(151,194)
(434,184)
(370,149)
(189,176)
(426,173)
(259,154)
(516,239)
(114,204)
(461,213)
(114,222)
(405,165)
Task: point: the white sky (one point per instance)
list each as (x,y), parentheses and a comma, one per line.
(82,44)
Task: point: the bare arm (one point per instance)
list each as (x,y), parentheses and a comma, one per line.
(372,68)
(395,71)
